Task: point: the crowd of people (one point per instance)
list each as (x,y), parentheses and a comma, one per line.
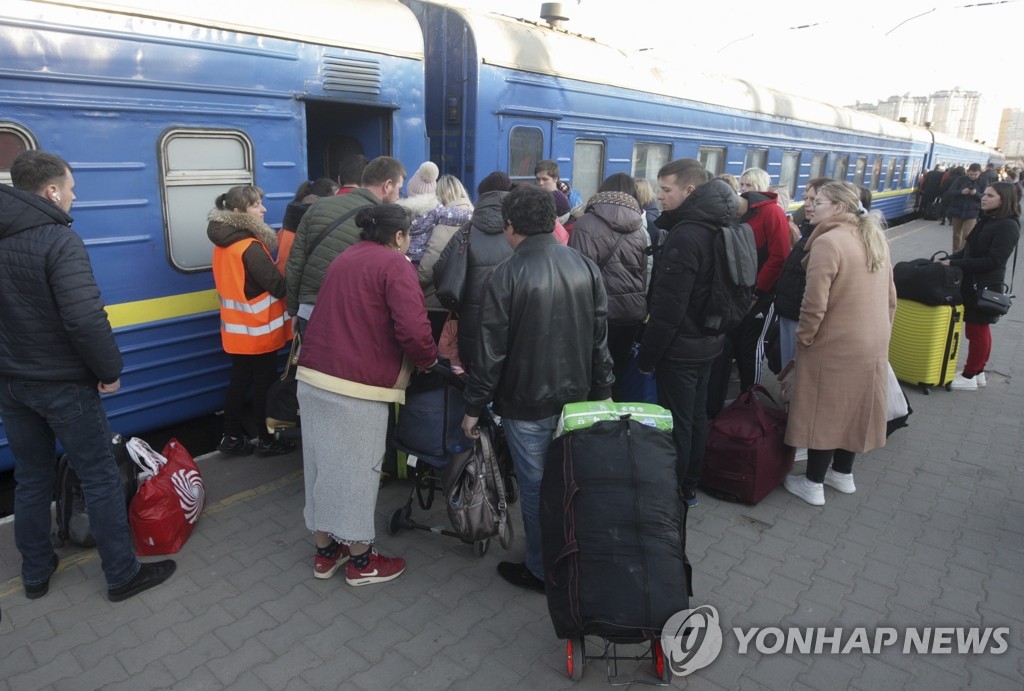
(560,295)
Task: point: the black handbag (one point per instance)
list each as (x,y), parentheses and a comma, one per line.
(450,282)
(994,300)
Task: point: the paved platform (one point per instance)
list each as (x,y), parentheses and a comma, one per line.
(933,537)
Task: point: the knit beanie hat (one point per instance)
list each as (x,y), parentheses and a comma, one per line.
(495,182)
(561,203)
(424,180)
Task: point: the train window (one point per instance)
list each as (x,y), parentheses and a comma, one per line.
(587,167)
(198,165)
(525,149)
(891,173)
(648,158)
(790,171)
(818,165)
(14,140)
(839,168)
(876,173)
(859,170)
(756,158)
(712,158)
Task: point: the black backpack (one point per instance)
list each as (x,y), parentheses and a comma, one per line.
(72,518)
(733,276)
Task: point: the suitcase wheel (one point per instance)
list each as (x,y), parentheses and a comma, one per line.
(574,658)
(661,668)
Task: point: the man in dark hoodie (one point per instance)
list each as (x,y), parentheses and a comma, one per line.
(673,345)
(57,355)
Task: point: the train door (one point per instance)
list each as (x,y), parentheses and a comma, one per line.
(335,130)
(523,143)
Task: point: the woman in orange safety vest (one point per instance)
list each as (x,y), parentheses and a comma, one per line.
(253,322)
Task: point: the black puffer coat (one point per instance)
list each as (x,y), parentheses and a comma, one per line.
(682,278)
(789,288)
(983,261)
(487,248)
(52,323)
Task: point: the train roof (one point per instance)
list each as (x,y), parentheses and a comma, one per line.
(526,45)
(377,26)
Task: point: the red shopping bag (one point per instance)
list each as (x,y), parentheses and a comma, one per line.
(168,502)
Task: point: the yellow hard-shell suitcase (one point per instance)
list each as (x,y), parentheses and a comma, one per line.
(925,343)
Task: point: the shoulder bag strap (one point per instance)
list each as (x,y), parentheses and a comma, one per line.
(608,257)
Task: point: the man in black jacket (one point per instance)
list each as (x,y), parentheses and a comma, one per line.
(673,345)
(542,342)
(57,355)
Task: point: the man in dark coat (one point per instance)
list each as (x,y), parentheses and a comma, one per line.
(57,355)
(964,198)
(673,345)
(541,343)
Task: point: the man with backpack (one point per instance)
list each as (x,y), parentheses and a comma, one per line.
(57,356)
(681,339)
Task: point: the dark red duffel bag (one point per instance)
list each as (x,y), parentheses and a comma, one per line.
(746,455)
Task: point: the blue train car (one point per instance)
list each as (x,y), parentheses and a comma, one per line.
(161,106)
(503,93)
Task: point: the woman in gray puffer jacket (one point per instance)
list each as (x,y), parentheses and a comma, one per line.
(611,234)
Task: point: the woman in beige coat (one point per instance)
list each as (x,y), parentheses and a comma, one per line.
(838,405)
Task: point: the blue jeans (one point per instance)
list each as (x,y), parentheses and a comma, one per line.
(683,389)
(36,415)
(528,440)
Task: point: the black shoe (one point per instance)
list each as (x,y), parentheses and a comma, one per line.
(150,574)
(273,447)
(34,592)
(942,222)
(519,575)
(235,446)
(690,497)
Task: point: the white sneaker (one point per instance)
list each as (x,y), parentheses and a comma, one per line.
(811,492)
(962,383)
(841,481)
(979,379)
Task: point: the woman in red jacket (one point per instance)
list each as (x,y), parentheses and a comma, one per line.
(253,323)
(367,331)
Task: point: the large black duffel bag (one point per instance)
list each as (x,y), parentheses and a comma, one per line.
(928,282)
(613,530)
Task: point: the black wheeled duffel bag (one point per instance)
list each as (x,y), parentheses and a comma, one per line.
(928,282)
(613,529)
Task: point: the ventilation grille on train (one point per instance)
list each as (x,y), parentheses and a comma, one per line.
(351,74)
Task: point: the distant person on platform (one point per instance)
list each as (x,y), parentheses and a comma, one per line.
(57,356)
(964,198)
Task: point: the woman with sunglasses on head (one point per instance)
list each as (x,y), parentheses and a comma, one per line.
(983,260)
(838,405)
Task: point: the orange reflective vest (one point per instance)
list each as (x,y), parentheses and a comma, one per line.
(247,327)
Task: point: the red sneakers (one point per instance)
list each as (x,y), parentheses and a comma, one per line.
(379,570)
(324,567)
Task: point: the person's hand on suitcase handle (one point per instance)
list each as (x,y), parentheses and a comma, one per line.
(470,426)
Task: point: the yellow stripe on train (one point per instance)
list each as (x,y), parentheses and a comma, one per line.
(157,309)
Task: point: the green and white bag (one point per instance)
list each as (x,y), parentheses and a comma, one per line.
(576,416)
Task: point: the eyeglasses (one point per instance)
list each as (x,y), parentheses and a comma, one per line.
(821,202)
